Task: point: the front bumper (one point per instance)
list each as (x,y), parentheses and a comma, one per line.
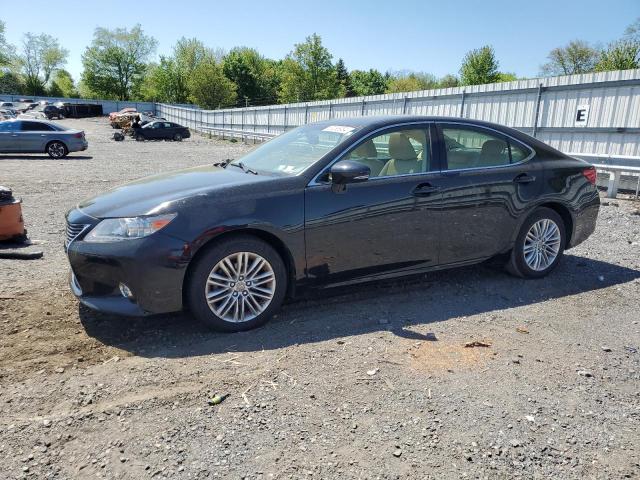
(153,268)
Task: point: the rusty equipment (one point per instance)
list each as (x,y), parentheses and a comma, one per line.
(11,222)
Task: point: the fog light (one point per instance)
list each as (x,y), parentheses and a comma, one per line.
(126,291)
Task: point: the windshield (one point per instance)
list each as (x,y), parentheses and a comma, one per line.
(294,151)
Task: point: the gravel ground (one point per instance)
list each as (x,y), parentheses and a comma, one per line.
(372,381)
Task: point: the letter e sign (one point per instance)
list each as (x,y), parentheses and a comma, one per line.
(582,115)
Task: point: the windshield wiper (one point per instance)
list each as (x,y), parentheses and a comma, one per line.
(223,163)
(244,167)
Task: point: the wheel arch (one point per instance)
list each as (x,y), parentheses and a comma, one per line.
(566,216)
(53,140)
(267,237)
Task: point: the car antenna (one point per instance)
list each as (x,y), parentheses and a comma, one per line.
(223,163)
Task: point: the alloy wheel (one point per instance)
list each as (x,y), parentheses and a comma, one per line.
(240,287)
(56,150)
(542,244)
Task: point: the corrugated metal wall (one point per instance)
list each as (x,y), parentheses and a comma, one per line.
(545,107)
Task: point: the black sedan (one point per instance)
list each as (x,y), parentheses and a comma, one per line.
(161,130)
(326,204)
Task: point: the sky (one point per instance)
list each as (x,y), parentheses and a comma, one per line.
(426,36)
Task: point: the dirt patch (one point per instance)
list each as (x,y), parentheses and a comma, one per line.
(449,356)
(41,330)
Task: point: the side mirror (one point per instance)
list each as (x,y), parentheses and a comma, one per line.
(348,171)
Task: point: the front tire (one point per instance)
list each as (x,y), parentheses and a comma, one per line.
(539,246)
(57,150)
(237,284)
(177,137)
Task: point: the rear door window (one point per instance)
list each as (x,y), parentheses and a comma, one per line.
(469,146)
(35,127)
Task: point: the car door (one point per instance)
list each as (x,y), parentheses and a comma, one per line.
(169,130)
(33,136)
(488,181)
(160,131)
(149,131)
(386,225)
(9,141)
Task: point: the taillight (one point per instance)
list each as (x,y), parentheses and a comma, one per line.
(590,175)
(78,135)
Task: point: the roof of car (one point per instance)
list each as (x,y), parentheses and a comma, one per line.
(30,120)
(382,120)
(369,123)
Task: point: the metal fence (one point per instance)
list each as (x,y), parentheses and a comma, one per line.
(596,113)
(108,106)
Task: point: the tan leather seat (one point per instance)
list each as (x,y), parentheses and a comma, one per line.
(367,154)
(404,159)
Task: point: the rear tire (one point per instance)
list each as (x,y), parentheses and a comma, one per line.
(57,150)
(237,284)
(539,245)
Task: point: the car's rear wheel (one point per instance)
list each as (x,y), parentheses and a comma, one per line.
(237,284)
(539,246)
(57,150)
(177,137)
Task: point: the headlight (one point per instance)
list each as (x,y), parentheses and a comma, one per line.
(116,229)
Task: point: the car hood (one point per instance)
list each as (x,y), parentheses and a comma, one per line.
(160,193)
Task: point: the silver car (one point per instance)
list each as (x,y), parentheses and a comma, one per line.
(35,136)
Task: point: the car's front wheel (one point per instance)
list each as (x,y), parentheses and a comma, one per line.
(139,138)
(539,246)
(237,284)
(57,150)
(177,137)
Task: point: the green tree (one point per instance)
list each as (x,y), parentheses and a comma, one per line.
(62,85)
(161,82)
(576,57)
(40,57)
(343,79)
(7,50)
(410,82)
(620,55)
(115,62)
(251,72)
(188,53)
(479,66)
(168,80)
(11,82)
(507,77)
(307,73)
(209,87)
(448,81)
(368,83)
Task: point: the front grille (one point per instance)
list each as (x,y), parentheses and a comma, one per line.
(73,231)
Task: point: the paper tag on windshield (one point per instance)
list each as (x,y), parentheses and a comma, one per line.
(338,129)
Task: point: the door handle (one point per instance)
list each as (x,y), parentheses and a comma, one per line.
(424,190)
(14,134)
(524,178)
